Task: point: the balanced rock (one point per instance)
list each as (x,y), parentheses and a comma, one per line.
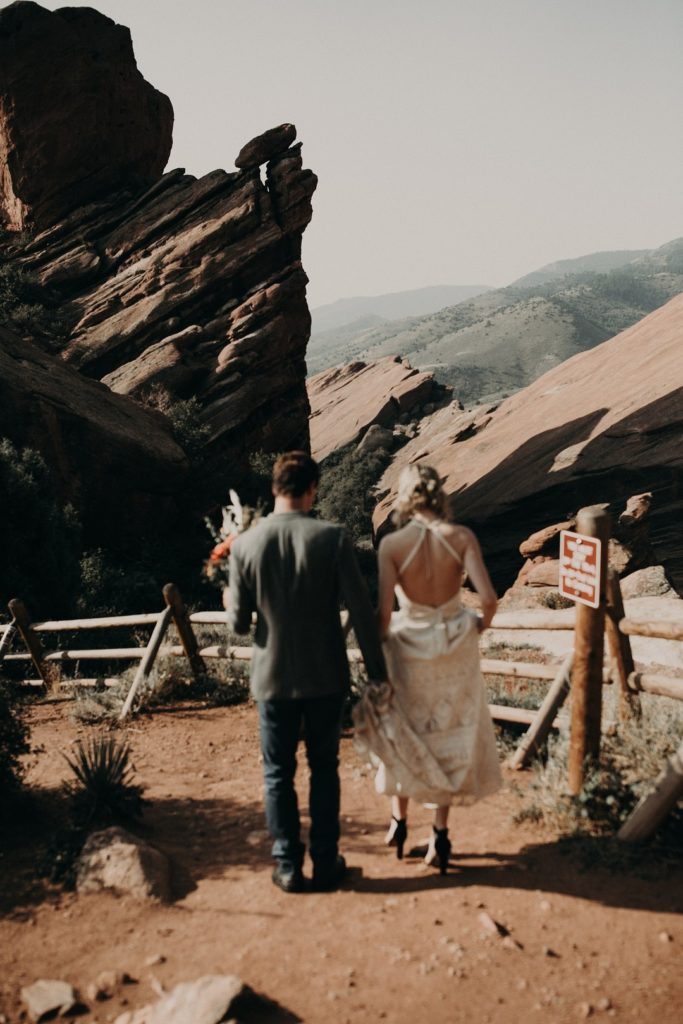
(117,860)
(78,120)
(169,287)
(265,147)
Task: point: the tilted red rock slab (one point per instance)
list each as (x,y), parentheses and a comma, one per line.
(601,426)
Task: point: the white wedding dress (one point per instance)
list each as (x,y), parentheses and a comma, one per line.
(433,740)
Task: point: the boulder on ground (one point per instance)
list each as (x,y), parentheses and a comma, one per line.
(117,860)
(45,999)
(545,541)
(376,439)
(650,582)
(208,1000)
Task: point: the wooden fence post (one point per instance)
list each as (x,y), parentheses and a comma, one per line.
(589,637)
(31,640)
(653,809)
(147,661)
(184,626)
(538,731)
(620,648)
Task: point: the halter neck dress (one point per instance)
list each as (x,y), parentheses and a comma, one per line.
(434,740)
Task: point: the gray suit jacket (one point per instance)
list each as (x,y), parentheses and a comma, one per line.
(292,571)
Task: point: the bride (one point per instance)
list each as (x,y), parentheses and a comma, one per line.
(432,740)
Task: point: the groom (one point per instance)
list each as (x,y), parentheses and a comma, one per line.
(292,571)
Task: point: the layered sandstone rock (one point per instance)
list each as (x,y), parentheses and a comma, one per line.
(77,119)
(112,459)
(603,426)
(182,288)
(347,399)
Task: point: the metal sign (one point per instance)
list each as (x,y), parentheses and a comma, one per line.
(580,568)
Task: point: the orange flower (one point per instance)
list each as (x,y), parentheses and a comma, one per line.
(222,550)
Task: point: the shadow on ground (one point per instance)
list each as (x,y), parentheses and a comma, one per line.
(559,866)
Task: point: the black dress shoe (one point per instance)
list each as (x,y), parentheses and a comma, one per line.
(288,879)
(328,877)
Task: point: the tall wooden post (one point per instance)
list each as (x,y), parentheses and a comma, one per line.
(184,626)
(31,639)
(620,648)
(589,633)
(147,662)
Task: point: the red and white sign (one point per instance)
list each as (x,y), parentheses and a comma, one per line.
(580,568)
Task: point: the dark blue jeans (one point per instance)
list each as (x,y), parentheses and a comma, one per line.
(280,723)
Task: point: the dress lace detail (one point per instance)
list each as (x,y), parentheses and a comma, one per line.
(434,740)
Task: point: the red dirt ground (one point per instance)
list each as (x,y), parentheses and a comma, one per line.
(398,943)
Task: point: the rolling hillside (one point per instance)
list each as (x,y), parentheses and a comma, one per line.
(500,341)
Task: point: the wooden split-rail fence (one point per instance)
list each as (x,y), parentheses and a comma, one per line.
(582,672)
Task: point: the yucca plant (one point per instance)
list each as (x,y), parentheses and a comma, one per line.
(103,791)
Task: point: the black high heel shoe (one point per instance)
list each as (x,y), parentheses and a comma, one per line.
(397,834)
(440,850)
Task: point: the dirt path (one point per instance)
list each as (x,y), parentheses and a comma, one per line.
(398,944)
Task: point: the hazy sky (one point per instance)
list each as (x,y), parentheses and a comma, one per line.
(456,141)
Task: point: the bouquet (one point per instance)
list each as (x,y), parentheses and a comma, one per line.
(235,519)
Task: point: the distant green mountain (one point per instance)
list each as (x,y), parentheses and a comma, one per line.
(500,341)
(338,324)
(598,262)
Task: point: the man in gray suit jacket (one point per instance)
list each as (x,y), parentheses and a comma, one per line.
(292,570)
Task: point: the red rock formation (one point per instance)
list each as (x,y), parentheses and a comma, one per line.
(77,119)
(347,399)
(115,461)
(186,287)
(600,427)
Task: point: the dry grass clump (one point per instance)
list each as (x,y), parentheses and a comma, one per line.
(632,756)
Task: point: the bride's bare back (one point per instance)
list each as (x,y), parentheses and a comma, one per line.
(427,558)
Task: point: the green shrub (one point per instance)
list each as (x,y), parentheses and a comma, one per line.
(14,742)
(184,415)
(41,537)
(103,792)
(30,309)
(346,492)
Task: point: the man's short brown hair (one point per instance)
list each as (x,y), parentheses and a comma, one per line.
(293,474)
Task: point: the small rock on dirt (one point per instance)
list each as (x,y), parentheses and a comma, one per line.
(665,937)
(585,1010)
(46,998)
(117,860)
(490,926)
(207,1000)
(155,959)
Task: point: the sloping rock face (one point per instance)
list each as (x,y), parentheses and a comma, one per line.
(347,399)
(115,461)
(77,119)
(601,427)
(183,288)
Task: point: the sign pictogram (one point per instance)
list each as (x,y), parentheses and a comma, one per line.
(580,568)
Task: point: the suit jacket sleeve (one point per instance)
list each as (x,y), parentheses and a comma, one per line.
(357,600)
(242,603)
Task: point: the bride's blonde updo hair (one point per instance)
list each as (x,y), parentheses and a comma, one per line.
(420,490)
